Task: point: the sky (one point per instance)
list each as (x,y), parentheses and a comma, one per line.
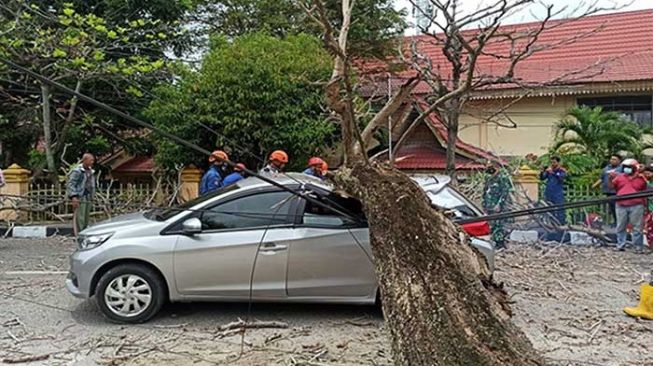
(537,12)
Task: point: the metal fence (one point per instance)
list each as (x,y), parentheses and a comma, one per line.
(111,199)
(473,190)
(575,193)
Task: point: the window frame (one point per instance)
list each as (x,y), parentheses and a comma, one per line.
(175,228)
(299,218)
(618,102)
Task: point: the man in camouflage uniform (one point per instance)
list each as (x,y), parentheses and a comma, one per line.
(496,198)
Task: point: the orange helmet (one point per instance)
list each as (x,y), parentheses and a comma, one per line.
(279,156)
(218,155)
(315,161)
(240,167)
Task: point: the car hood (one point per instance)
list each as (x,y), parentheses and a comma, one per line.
(119,223)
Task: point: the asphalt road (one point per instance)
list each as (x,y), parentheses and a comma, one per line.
(39,319)
(568,300)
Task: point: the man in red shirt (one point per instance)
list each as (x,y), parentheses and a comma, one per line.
(629,211)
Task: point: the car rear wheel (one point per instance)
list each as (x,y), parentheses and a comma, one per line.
(130,293)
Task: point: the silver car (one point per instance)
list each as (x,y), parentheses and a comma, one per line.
(248,240)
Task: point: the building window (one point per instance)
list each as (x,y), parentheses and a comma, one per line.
(638,108)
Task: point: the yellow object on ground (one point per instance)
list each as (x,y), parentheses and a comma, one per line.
(645,308)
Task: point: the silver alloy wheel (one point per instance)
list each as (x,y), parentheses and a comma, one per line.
(128,295)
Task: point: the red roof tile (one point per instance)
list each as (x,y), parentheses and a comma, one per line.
(138,164)
(425,149)
(428,158)
(609,47)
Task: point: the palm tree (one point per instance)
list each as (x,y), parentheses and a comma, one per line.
(597,133)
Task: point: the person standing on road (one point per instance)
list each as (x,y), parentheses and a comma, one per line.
(496,197)
(81,189)
(613,166)
(629,211)
(277,161)
(236,176)
(212,179)
(554,193)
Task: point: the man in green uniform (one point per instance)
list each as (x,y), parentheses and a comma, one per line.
(496,198)
(81,189)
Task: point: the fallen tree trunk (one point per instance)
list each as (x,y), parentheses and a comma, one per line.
(438,296)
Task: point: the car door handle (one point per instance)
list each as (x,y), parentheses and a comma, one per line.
(273,247)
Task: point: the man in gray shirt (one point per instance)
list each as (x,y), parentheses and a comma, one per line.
(614,166)
(81,189)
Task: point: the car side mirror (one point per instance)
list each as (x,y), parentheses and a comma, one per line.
(191,226)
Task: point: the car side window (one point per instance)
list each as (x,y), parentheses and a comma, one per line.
(319,216)
(258,210)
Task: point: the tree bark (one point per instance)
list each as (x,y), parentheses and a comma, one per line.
(382,117)
(438,297)
(46,93)
(63,136)
(452,116)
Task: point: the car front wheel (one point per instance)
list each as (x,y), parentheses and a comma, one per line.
(130,293)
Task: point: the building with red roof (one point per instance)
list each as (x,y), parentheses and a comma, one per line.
(601,60)
(127,168)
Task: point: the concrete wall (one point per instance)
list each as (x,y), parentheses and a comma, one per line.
(534,117)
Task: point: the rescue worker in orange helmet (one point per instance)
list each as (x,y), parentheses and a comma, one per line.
(315,165)
(212,179)
(237,175)
(276,162)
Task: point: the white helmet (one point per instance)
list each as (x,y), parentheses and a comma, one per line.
(630,162)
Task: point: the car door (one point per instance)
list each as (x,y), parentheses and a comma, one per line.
(242,239)
(330,256)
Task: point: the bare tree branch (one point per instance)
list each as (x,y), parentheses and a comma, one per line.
(381,118)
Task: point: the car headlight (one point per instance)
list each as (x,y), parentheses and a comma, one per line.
(92,241)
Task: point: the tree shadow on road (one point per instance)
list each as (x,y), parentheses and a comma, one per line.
(219,313)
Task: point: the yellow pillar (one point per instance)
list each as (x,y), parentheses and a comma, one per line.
(528,181)
(190,184)
(17,184)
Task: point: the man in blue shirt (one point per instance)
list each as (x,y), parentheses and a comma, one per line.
(614,166)
(237,175)
(315,165)
(212,179)
(554,193)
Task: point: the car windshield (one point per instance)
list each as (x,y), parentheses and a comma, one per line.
(450,200)
(163,214)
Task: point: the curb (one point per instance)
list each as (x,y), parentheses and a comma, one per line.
(49,231)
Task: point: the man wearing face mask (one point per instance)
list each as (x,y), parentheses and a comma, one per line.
(496,197)
(629,211)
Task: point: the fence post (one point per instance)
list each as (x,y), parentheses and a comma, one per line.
(17,184)
(190,184)
(528,181)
